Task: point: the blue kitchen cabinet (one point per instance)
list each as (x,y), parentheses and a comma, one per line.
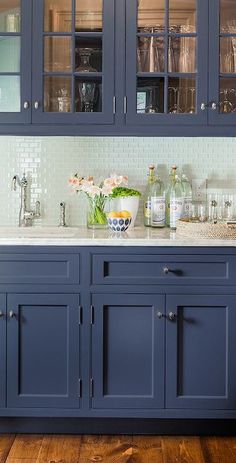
(200,352)
(73,63)
(3,350)
(124,67)
(43,350)
(15,62)
(128,333)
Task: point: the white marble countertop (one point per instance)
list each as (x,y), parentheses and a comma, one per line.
(81,236)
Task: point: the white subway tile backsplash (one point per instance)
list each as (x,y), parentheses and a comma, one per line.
(49,161)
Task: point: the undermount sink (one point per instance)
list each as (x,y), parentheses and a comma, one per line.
(42,232)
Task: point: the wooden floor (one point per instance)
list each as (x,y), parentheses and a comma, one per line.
(116,449)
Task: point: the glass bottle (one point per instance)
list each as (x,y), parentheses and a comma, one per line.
(188,196)
(148,196)
(158,204)
(175,200)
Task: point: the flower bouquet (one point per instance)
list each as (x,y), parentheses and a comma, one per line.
(97,196)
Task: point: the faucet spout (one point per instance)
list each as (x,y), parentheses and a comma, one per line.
(25,216)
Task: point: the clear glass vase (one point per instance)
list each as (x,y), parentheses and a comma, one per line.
(96,215)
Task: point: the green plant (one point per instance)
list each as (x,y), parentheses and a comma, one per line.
(122,192)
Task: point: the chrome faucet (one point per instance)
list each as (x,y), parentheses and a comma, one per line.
(62,221)
(25,217)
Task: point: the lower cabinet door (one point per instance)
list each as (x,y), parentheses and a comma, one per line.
(200,352)
(3,340)
(43,367)
(128,351)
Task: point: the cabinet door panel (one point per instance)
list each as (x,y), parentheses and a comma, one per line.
(73,62)
(222,64)
(15,57)
(127,351)
(166,68)
(3,340)
(43,350)
(201,371)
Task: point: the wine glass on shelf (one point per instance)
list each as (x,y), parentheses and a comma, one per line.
(175,108)
(232,30)
(225,105)
(88,96)
(191,109)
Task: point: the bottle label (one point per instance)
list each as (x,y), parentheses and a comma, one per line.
(147,209)
(158,210)
(187,207)
(176,209)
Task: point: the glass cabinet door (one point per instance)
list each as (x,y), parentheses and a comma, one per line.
(222,62)
(15,56)
(166,80)
(73,61)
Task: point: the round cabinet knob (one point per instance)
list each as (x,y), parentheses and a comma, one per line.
(171,316)
(26,105)
(203,106)
(12,314)
(36,105)
(159,315)
(214,106)
(166,270)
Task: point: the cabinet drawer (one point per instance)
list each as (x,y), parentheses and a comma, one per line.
(39,268)
(163,269)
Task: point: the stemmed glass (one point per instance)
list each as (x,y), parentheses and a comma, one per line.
(175,109)
(225,105)
(227,205)
(232,30)
(191,108)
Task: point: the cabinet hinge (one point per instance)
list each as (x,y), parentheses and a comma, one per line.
(80,388)
(91,387)
(91,315)
(80,315)
(125,105)
(114,105)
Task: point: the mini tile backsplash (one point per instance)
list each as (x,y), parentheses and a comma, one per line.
(50,161)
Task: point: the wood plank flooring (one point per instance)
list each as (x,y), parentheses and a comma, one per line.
(116,449)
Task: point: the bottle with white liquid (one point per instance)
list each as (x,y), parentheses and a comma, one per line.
(175,200)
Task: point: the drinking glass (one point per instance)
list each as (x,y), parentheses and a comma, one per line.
(175,109)
(225,105)
(227,206)
(191,109)
(202,212)
(232,30)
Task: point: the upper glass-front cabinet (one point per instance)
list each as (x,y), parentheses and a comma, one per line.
(223,62)
(166,77)
(15,55)
(73,61)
